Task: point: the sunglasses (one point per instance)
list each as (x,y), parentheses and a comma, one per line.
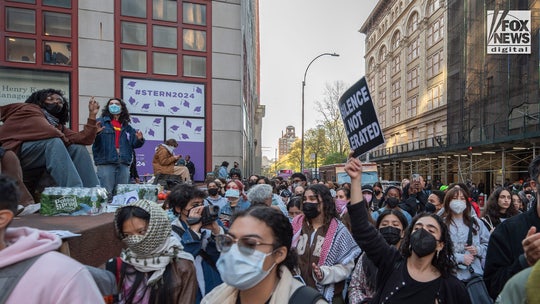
(246,245)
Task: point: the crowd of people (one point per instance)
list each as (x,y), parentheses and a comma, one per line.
(257,239)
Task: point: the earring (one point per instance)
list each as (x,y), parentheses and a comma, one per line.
(437,255)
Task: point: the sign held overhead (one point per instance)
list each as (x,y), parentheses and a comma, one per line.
(360,119)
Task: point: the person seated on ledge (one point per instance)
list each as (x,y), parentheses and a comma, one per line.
(164,161)
(36,130)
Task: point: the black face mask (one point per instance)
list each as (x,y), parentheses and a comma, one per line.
(392,202)
(310,210)
(52,108)
(423,243)
(377,192)
(392,235)
(213,191)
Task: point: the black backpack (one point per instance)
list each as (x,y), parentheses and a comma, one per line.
(305,295)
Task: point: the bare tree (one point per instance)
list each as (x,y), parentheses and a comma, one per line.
(331,121)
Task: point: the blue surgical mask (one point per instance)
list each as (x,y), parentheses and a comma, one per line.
(242,271)
(114,109)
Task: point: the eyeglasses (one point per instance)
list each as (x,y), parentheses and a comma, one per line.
(246,245)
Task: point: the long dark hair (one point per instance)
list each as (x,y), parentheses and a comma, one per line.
(329,206)
(492,209)
(448,215)
(444,261)
(124,118)
(161,293)
(281,230)
(39,97)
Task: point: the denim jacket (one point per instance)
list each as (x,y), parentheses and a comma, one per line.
(104,149)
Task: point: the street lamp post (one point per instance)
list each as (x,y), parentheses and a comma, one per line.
(303,86)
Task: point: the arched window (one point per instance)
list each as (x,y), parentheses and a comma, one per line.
(412,25)
(395,40)
(371,65)
(382,53)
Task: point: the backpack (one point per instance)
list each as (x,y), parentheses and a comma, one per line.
(305,295)
(12,274)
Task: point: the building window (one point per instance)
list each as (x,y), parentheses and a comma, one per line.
(382,54)
(382,98)
(194,13)
(20,49)
(371,84)
(371,66)
(412,78)
(382,118)
(133,61)
(396,86)
(382,75)
(134,33)
(165,36)
(164,63)
(134,8)
(435,32)
(412,51)
(57,24)
(435,98)
(25,41)
(20,20)
(194,40)
(412,25)
(395,114)
(396,64)
(434,64)
(412,105)
(164,10)
(194,66)
(432,7)
(395,40)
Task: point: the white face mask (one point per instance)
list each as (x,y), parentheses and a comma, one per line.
(242,271)
(458,206)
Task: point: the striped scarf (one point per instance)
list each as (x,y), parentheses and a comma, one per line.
(338,247)
(50,118)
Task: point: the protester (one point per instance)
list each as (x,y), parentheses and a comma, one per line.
(214,197)
(343,197)
(256,260)
(423,271)
(436,198)
(261,194)
(294,207)
(164,161)
(235,172)
(114,145)
(154,268)
(514,245)
(190,166)
(378,195)
(499,208)
(222,172)
(391,202)
(325,247)
(298,179)
(464,227)
(518,202)
(391,225)
(36,131)
(186,202)
(50,276)
(234,205)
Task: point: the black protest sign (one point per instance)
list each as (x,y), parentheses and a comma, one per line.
(360,119)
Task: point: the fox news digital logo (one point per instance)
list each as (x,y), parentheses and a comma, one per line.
(508,32)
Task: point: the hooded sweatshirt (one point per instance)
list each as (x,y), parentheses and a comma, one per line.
(54,277)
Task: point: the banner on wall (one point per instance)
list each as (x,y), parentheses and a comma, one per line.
(164,110)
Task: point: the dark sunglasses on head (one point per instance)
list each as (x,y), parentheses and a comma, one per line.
(246,245)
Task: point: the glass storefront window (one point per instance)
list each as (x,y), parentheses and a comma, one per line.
(165,10)
(134,33)
(134,61)
(24,1)
(20,50)
(57,53)
(165,36)
(194,13)
(134,8)
(59,3)
(57,24)
(194,40)
(20,20)
(165,63)
(194,66)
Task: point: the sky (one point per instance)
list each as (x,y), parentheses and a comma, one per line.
(292,33)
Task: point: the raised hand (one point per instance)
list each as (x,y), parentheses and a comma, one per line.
(93,108)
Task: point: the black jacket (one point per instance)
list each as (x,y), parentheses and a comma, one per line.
(505,252)
(391,263)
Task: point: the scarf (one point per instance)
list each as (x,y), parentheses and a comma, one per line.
(338,247)
(51,118)
(169,148)
(171,250)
